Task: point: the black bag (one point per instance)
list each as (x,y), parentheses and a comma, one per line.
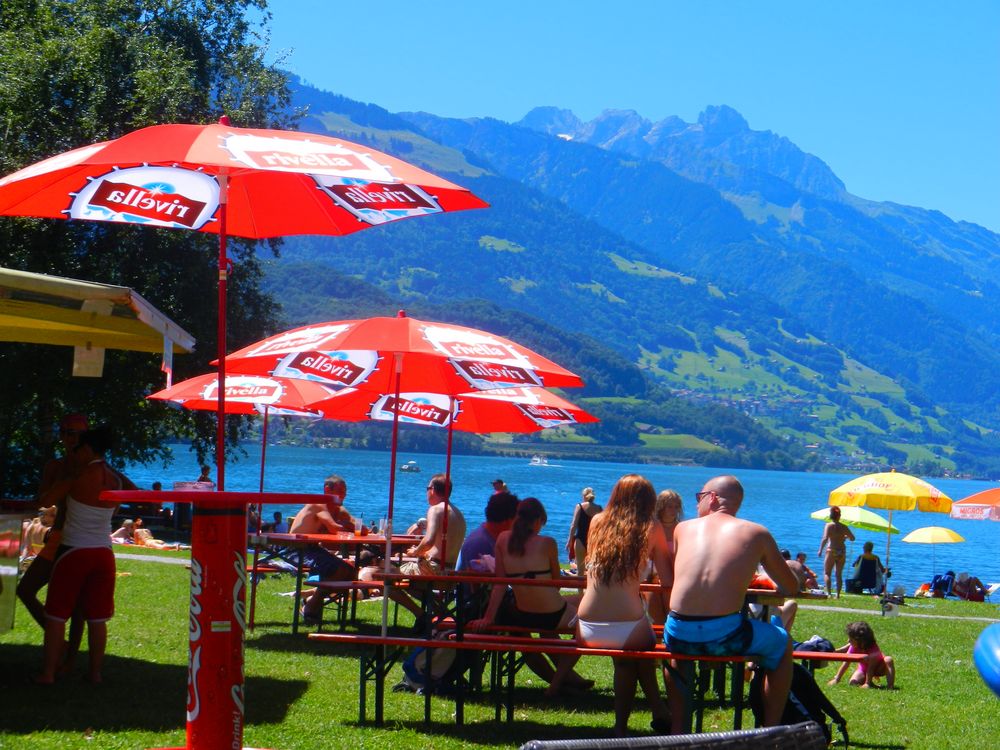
(806,702)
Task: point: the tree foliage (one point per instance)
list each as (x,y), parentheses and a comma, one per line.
(73,73)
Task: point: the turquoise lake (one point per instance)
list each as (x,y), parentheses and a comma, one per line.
(782,501)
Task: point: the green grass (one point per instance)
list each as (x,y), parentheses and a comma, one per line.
(303,695)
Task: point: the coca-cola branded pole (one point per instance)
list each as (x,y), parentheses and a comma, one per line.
(217,614)
(215,707)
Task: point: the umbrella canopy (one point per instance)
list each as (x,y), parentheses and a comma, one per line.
(247,394)
(520,410)
(858,518)
(439,357)
(272,182)
(979,507)
(933,535)
(890,491)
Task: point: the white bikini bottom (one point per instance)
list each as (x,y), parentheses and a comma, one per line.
(609,634)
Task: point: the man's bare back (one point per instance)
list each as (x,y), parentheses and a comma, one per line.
(321,518)
(716,556)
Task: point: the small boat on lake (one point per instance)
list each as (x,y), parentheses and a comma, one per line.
(538,460)
(410,466)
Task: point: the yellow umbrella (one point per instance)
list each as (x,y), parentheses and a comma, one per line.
(890,490)
(933,535)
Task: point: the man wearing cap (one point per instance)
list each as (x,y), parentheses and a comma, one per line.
(330,517)
(499,486)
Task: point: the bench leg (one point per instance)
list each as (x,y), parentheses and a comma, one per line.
(683,683)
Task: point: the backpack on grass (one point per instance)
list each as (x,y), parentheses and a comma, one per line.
(437,668)
(806,702)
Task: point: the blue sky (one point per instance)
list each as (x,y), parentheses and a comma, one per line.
(900,97)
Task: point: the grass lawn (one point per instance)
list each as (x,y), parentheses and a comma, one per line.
(302,695)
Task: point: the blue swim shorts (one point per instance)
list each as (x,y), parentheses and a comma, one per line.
(725,635)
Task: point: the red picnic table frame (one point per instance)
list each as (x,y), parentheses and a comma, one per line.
(341,539)
(217,622)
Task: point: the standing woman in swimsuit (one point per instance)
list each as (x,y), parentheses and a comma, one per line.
(835,537)
(611,615)
(583,514)
(522,552)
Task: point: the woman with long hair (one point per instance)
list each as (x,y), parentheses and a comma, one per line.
(623,540)
(667,513)
(522,552)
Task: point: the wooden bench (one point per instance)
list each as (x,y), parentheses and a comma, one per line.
(379,654)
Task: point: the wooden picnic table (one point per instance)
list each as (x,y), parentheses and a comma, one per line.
(301,542)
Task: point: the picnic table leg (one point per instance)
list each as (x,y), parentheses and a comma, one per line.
(298,591)
(683,674)
(365,663)
(511,657)
(736,690)
(495,658)
(380,670)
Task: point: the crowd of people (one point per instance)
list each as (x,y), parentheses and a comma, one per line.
(704,566)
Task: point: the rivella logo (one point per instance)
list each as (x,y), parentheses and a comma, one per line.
(546,416)
(157,196)
(485,375)
(303,339)
(305,156)
(419,408)
(339,368)
(378,202)
(246,389)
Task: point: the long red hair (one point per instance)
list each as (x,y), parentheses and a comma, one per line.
(617,547)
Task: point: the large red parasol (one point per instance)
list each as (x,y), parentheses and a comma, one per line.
(520,410)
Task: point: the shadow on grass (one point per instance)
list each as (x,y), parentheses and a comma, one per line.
(136,695)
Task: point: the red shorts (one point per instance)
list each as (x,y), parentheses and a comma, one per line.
(84,576)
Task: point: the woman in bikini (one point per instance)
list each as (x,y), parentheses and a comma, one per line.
(611,615)
(522,552)
(835,537)
(583,514)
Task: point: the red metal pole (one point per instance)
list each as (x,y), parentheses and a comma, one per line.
(398,364)
(220,428)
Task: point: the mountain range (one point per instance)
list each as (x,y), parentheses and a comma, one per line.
(702,264)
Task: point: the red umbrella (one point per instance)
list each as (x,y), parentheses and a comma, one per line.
(979,507)
(238,182)
(247,394)
(518,410)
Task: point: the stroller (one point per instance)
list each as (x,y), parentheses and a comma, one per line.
(806,702)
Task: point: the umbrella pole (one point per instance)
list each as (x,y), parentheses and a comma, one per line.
(447,479)
(260,510)
(398,360)
(220,429)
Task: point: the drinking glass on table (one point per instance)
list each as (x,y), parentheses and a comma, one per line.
(357,525)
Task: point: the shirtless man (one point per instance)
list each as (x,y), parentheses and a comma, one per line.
(324,518)
(835,535)
(715,558)
(428,551)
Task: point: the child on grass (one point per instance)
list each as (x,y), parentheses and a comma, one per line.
(861,640)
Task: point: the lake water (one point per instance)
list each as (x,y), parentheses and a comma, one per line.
(782,501)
